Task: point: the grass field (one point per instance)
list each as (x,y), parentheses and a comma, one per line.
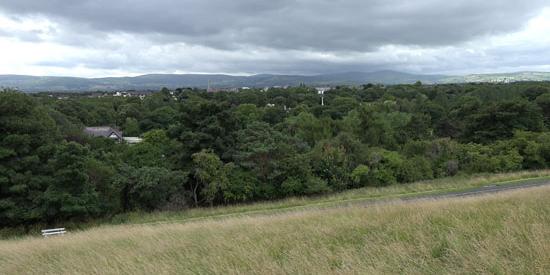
(506,233)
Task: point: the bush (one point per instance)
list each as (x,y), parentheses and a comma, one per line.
(381,177)
(415,169)
(360,175)
(148,188)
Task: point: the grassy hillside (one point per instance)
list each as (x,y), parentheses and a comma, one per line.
(508,233)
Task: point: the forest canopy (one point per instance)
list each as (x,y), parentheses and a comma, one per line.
(204,149)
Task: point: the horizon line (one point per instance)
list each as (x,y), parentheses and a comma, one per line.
(276,74)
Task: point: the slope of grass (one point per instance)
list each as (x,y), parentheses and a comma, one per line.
(506,233)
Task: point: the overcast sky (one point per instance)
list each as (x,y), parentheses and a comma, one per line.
(94,38)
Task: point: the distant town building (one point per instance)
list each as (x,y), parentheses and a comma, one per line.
(219,90)
(104,131)
(322,90)
(131,93)
(112,133)
(132,140)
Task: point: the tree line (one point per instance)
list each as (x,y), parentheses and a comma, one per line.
(204,149)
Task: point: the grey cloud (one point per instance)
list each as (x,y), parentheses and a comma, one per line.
(27,36)
(319,25)
(449,61)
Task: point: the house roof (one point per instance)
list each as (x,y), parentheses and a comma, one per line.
(103,131)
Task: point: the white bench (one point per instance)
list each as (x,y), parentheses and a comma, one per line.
(53,232)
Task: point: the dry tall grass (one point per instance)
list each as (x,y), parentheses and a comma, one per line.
(507,233)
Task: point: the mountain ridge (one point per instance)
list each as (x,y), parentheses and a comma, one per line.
(30,83)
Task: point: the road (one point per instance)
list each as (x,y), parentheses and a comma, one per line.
(477,191)
(472,192)
(488,189)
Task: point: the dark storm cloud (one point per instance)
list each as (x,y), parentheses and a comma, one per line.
(319,25)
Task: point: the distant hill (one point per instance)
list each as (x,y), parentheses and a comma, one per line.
(503,77)
(157,81)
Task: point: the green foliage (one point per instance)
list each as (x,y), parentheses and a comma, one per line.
(70,194)
(386,167)
(499,121)
(297,177)
(204,148)
(543,101)
(210,176)
(296,186)
(148,188)
(248,113)
(101,176)
(27,143)
(146,154)
(360,174)
(498,158)
(339,107)
(131,127)
(415,169)
(331,163)
(241,185)
(260,148)
(308,128)
(381,125)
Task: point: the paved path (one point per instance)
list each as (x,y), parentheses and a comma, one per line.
(475,191)
(471,192)
(488,189)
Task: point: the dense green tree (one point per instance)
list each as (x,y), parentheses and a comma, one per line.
(331,163)
(27,141)
(210,176)
(242,185)
(543,101)
(308,128)
(385,167)
(248,113)
(101,176)
(531,93)
(339,107)
(148,188)
(260,149)
(131,127)
(70,194)
(133,110)
(360,174)
(297,177)
(415,169)
(203,149)
(500,121)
